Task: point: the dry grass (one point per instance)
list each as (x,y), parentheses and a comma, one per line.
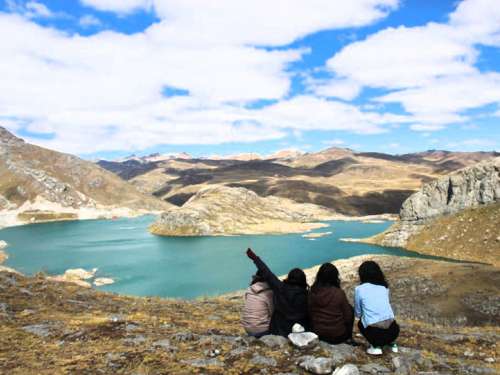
(472,235)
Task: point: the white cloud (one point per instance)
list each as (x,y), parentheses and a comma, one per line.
(104,92)
(30,9)
(432,67)
(118,6)
(343,89)
(89,20)
(263,22)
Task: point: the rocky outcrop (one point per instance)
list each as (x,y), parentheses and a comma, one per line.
(223,210)
(33,178)
(470,187)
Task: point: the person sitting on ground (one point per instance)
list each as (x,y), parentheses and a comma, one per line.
(289,297)
(331,315)
(372,306)
(258,309)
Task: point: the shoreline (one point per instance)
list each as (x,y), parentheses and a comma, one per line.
(9,219)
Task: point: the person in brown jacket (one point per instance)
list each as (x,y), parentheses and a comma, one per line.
(332,317)
(258,309)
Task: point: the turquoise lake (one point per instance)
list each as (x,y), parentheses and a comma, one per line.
(146,265)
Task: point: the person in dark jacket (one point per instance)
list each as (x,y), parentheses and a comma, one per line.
(289,297)
(331,315)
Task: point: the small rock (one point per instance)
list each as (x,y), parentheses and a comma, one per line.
(265,361)
(303,340)
(4,244)
(80,273)
(41,330)
(348,369)
(204,362)
(374,368)
(100,281)
(131,327)
(238,352)
(184,336)
(26,291)
(340,353)
(479,370)
(117,318)
(297,328)
(468,353)
(164,344)
(319,365)
(212,353)
(274,341)
(136,340)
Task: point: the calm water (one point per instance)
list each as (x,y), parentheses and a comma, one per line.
(147,265)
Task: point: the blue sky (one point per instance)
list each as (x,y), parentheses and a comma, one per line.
(106,78)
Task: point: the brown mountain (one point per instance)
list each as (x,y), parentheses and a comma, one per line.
(40,184)
(349,182)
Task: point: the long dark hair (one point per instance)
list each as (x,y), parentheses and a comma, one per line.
(297,277)
(328,275)
(370,272)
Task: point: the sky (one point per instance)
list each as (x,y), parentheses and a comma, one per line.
(107,78)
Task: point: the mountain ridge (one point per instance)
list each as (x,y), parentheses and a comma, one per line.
(38,184)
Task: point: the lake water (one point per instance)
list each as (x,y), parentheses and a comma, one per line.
(146,265)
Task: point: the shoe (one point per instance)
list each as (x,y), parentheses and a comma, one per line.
(374,350)
(394,347)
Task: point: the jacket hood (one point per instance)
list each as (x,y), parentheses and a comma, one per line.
(322,296)
(259,287)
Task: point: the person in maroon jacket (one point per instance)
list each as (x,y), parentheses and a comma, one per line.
(330,314)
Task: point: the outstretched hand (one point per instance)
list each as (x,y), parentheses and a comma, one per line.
(251,254)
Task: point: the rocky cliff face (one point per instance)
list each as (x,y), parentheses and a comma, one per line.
(223,210)
(33,178)
(467,188)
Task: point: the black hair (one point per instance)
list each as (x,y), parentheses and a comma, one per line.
(297,277)
(328,275)
(257,277)
(370,272)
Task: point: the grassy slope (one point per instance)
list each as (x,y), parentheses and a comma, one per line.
(88,330)
(472,235)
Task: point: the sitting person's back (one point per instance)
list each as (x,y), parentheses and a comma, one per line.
(258,309)
(372,305)
(290,303)
(331,315)
(289,297)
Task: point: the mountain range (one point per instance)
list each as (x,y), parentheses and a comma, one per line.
(349,182)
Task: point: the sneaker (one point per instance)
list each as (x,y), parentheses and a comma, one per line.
(374,350)
(394,347)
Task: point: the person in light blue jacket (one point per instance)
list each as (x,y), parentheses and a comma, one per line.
(371,304)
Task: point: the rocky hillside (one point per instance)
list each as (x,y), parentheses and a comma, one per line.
(351,183)
(43,184)
(59,328)
(223,210)
(457,216)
